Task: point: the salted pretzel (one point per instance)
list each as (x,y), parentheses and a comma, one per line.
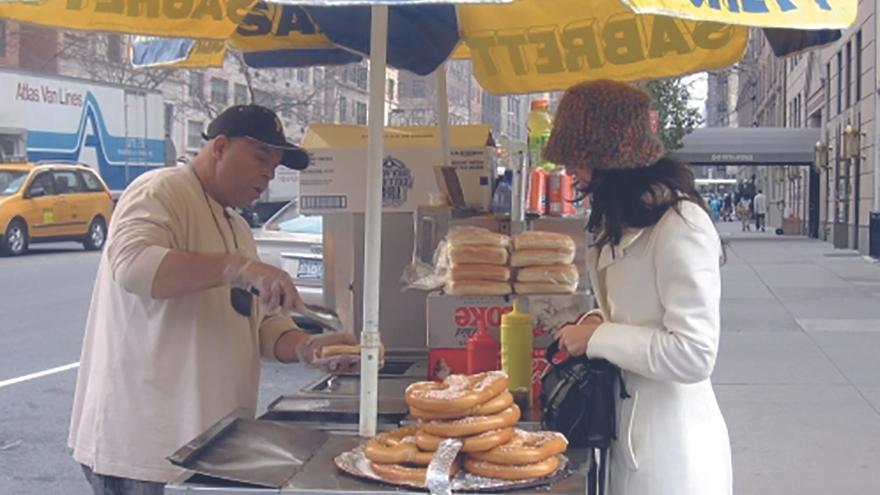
(509,472)
(472,425)
(495,405)
(457,392)
(397,447)
(477,443)
(526,447)
(397,473)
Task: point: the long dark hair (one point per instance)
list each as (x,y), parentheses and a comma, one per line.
(638,198)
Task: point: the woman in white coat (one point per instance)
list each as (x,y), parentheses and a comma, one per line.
(655,273)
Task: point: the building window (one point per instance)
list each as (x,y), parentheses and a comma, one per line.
(839,82)
(264,98)
(194,134)
(114,48)
(343,109)
(2,38)
(828,87)
(196,85)
(849,74)
(241,94)
(361,113)
(219,91)
(169,119)
(362,76)
(858,66)
(418,88)
(302,75)
(390,89)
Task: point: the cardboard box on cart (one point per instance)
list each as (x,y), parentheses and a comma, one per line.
(452,320)
(334,183)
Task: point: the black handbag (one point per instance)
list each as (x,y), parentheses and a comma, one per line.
(578,400)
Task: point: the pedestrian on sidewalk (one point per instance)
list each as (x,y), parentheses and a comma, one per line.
(727,211)
(760,211)
(715,208)
(744,214)
(655,270)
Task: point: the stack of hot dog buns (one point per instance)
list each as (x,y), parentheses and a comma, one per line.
(478,263)
(544,263)
(479,411)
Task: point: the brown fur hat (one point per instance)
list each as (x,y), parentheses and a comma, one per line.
(604,125)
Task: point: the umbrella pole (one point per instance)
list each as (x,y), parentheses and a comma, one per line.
(373,223)
(443,113)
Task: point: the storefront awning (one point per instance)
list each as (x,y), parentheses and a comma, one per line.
(749,146)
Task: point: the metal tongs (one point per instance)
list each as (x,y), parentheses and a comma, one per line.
(319,315)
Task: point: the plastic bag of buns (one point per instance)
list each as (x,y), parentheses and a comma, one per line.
(472,254)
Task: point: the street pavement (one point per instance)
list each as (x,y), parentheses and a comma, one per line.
(798,376)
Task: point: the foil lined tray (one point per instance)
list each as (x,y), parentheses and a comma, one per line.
(355,463)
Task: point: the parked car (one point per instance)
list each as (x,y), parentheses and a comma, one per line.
(49,202)
(295,243)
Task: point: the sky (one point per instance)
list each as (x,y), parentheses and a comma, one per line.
(699,87)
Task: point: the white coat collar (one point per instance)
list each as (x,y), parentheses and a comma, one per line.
(612,254)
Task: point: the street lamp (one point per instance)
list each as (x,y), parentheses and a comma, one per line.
(820,159)
(852,146)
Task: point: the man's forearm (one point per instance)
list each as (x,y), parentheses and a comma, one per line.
(287,345)
(184,272)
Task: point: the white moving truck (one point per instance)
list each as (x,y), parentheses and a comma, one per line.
(116,130)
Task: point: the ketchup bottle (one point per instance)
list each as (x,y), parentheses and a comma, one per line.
(482,351)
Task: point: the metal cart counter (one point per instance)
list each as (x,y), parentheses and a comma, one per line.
(319,476)
(292,447)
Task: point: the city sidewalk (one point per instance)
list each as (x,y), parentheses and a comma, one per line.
(798,375)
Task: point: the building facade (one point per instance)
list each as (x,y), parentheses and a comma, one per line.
(193,97)
(468,103)
(835,89)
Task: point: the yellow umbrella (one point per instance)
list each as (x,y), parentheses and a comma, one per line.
(519,47)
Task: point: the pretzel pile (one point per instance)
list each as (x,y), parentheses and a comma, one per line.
(528,455)
(479,411)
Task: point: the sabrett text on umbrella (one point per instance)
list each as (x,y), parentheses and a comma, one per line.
(585,44)
(755,6)
(264,19)
(234,10)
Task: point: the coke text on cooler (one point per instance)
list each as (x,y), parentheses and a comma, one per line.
(473,316)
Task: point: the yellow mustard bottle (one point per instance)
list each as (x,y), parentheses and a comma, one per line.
(516,354)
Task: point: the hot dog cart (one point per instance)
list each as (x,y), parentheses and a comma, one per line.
(292,447)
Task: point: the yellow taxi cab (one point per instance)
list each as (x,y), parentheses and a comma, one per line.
(49,202)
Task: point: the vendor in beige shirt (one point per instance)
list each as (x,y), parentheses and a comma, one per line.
(173,339)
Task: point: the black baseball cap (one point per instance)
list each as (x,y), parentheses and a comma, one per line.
(261,125)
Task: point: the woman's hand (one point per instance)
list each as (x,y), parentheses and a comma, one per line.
(575,338)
